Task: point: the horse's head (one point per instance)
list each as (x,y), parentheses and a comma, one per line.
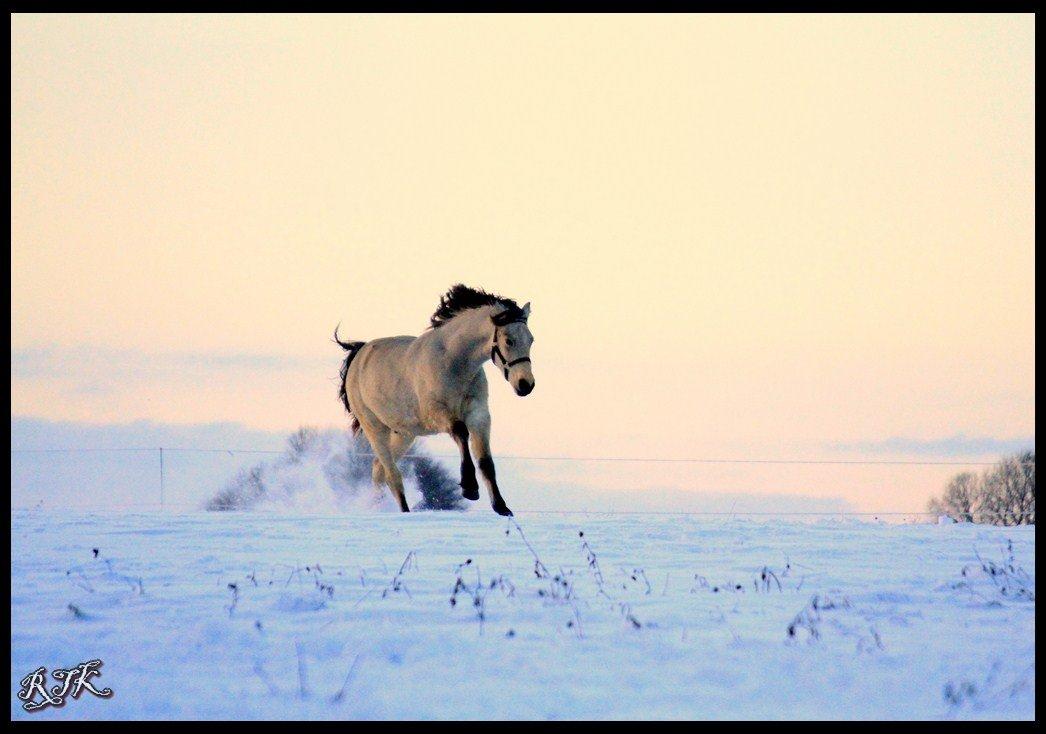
(511,348)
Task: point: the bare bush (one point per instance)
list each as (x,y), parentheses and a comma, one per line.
(1008,492)
(1003,495)
(299,442)
(342,462)
(960,498)
(439,490)
(243,492)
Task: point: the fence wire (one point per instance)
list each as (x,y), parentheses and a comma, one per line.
(164,504)
(634,459)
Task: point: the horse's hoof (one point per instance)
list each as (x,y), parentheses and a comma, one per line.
(502,510)
(470,493)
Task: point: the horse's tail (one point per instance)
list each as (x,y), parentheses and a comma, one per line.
(352,348)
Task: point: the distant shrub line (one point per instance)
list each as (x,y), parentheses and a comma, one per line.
(1003,495)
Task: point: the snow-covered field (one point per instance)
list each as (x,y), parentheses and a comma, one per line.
(265,615)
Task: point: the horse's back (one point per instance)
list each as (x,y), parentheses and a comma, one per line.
(389,344)
(384,353)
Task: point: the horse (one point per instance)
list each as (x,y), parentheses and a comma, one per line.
(400,387)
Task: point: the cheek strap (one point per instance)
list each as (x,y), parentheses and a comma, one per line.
(495,354)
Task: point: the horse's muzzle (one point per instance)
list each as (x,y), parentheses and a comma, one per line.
(524,387)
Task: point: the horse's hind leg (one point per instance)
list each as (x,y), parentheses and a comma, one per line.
(377,473)
(393,478)
(384,469)
(399,444)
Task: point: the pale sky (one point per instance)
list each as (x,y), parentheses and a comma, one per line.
(773,236)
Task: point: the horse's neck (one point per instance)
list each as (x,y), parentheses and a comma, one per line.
(468,336)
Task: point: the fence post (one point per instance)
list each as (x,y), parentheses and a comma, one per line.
(161,478)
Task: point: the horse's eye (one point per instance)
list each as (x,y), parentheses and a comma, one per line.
(510,342)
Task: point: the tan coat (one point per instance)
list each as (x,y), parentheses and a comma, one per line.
(402,387)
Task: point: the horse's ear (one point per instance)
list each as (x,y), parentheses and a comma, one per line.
(526,309)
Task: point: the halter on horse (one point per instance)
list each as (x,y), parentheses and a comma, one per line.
(508,316)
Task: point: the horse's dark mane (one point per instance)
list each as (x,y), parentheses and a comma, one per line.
(461,298)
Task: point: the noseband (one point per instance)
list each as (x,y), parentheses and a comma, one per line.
(504,318)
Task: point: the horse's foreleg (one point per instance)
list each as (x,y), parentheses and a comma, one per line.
(479,437)
(469,485)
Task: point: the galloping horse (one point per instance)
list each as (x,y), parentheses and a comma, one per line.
(402,387)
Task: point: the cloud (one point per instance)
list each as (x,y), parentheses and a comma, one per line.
(100,371)
(957,445)
(28,433)
(47,362)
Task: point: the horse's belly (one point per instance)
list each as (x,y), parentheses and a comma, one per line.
(398,411)
(387,379)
